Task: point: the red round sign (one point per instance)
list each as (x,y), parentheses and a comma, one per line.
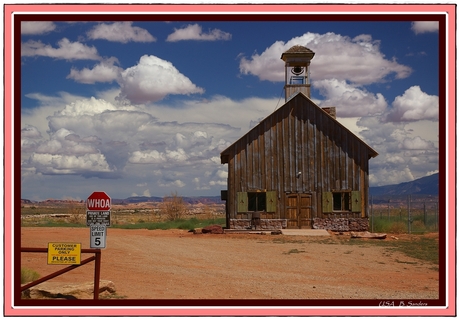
(98,201)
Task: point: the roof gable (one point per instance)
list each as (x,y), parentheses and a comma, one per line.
(292,103)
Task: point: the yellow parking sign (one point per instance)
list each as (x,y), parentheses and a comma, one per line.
(64,253)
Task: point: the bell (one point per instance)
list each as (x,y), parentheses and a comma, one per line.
(297,70)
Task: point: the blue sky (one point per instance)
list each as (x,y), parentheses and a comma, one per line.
(145,108)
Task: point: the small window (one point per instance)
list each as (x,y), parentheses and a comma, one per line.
(297,80)
(341,201)
(257,201)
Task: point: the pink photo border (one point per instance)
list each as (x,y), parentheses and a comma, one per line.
(10,10)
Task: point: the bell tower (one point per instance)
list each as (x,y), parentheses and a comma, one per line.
(297,71)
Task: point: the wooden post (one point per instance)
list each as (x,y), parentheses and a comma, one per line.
(424,214)
(408,214)
(388,209)
(372,215)
(436,216)
(97,274)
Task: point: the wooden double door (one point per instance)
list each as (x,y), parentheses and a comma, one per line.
(298,210)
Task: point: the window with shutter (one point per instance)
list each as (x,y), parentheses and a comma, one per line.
(342,201)
(256,201)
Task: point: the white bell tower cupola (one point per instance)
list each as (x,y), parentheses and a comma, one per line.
(297,71)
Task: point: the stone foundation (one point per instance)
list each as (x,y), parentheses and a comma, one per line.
(265,224)
(341,224)
(333,224)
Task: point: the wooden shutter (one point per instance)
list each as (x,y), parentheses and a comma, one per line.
(242,198)
(271,201)
(327,202)
(356,201)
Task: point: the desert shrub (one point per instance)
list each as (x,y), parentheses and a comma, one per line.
(77,215)
(207,212)
(418,226)
(397,227)
(173,207)
(28,275)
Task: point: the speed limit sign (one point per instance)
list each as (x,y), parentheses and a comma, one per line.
(98,236)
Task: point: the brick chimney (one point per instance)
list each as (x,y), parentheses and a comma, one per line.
(330,111)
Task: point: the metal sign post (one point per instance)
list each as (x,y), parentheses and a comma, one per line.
(98,218)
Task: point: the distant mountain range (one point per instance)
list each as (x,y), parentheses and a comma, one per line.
(191,200)
(424,186)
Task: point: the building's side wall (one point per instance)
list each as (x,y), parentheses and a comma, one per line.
(298,138)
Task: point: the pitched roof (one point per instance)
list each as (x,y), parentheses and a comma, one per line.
(298,50)
(372,152)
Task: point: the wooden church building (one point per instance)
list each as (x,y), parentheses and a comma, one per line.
(299,167)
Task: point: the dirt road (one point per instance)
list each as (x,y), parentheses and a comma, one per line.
(176,264)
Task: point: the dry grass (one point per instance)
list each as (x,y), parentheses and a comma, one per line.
(28,275)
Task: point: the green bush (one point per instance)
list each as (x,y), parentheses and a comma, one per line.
(380,225)
(383,225)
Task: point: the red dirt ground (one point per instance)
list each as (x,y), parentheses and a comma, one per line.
(176,264)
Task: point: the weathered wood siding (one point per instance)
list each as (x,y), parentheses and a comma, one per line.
(297,137)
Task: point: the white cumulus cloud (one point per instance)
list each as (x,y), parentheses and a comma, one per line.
(30,132)
(152,79)
(66,50)
(195,32)
(416,143)
(47,163)
(123,32)
(88,107)
(105,71)
(392,176)
(414,105)
(425,26)
(37,27)
(172,184)
(350,101)
(357,60)
(401,150)
(147,157)
(64,141)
